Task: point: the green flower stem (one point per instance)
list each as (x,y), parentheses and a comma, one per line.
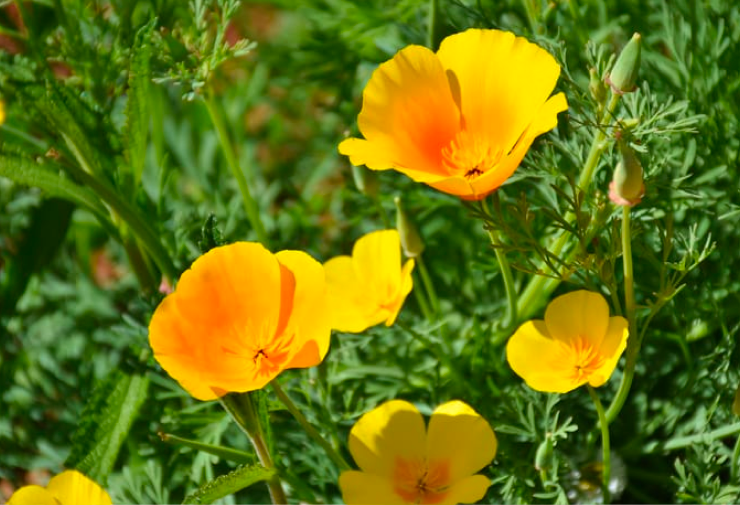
(241,409)
(634,341)
(250,205)
(735,461)
(508,278)
(428,285)
(310,430)
(605,455)
(434,31)
(217,450)
(423,304)
(540,287)
(503,265)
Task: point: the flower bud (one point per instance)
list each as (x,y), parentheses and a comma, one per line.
(736,403)
(366,180)
(596,86)
(543,457)
(623,76)
(410,239)
(627,186)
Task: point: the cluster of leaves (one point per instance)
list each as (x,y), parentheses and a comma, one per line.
(94,92)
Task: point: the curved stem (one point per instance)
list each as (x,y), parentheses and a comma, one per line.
(508,278)
(241,409)
(428,285)
(634,341)
(605,455)
(250,205)
(540,286)
(310,430)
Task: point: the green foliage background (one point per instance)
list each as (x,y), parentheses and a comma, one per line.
(113,91)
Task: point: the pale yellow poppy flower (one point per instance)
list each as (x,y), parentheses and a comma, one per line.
(68,488)
(577,343)
(403,462)
(369,287)
(461,119)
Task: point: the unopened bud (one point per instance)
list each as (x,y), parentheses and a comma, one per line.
(410,239)
(736,403)
(596,86)
(543,456)
(366,180)
(627,186)
(623,77)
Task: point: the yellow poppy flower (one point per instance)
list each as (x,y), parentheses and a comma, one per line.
(370,286)
(577,343)
(239,317)
(67,488)
(401,461)
(460,120)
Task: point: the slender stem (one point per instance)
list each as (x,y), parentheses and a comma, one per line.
(605,455)
(540,287)
(250,205)
(428,285)
(531,16)
(434,35)
(423,304)
(217,450)
(508,278)
(310,430)
(634,341)
(629,288)
(241,409)
(735,461)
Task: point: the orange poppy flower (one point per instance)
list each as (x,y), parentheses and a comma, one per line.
(239,317)
(460,120)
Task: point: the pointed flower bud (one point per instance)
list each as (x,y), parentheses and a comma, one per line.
(623,76)
(627,186)
(411,241)
(543,457)
(736,403)
(366,180)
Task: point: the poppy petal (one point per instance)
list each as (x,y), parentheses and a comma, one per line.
(581,315)
(459,436)
(468,490)
(503,81)
(393,430)
(309,318)
(73,488)
(360,488)
(347,302)
(611,349)
(544,364)
(408,114)
(32,495)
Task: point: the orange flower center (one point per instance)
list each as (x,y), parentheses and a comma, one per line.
(421,482)
(585,358)
(470,155)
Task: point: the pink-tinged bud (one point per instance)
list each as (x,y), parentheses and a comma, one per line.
(627,186)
